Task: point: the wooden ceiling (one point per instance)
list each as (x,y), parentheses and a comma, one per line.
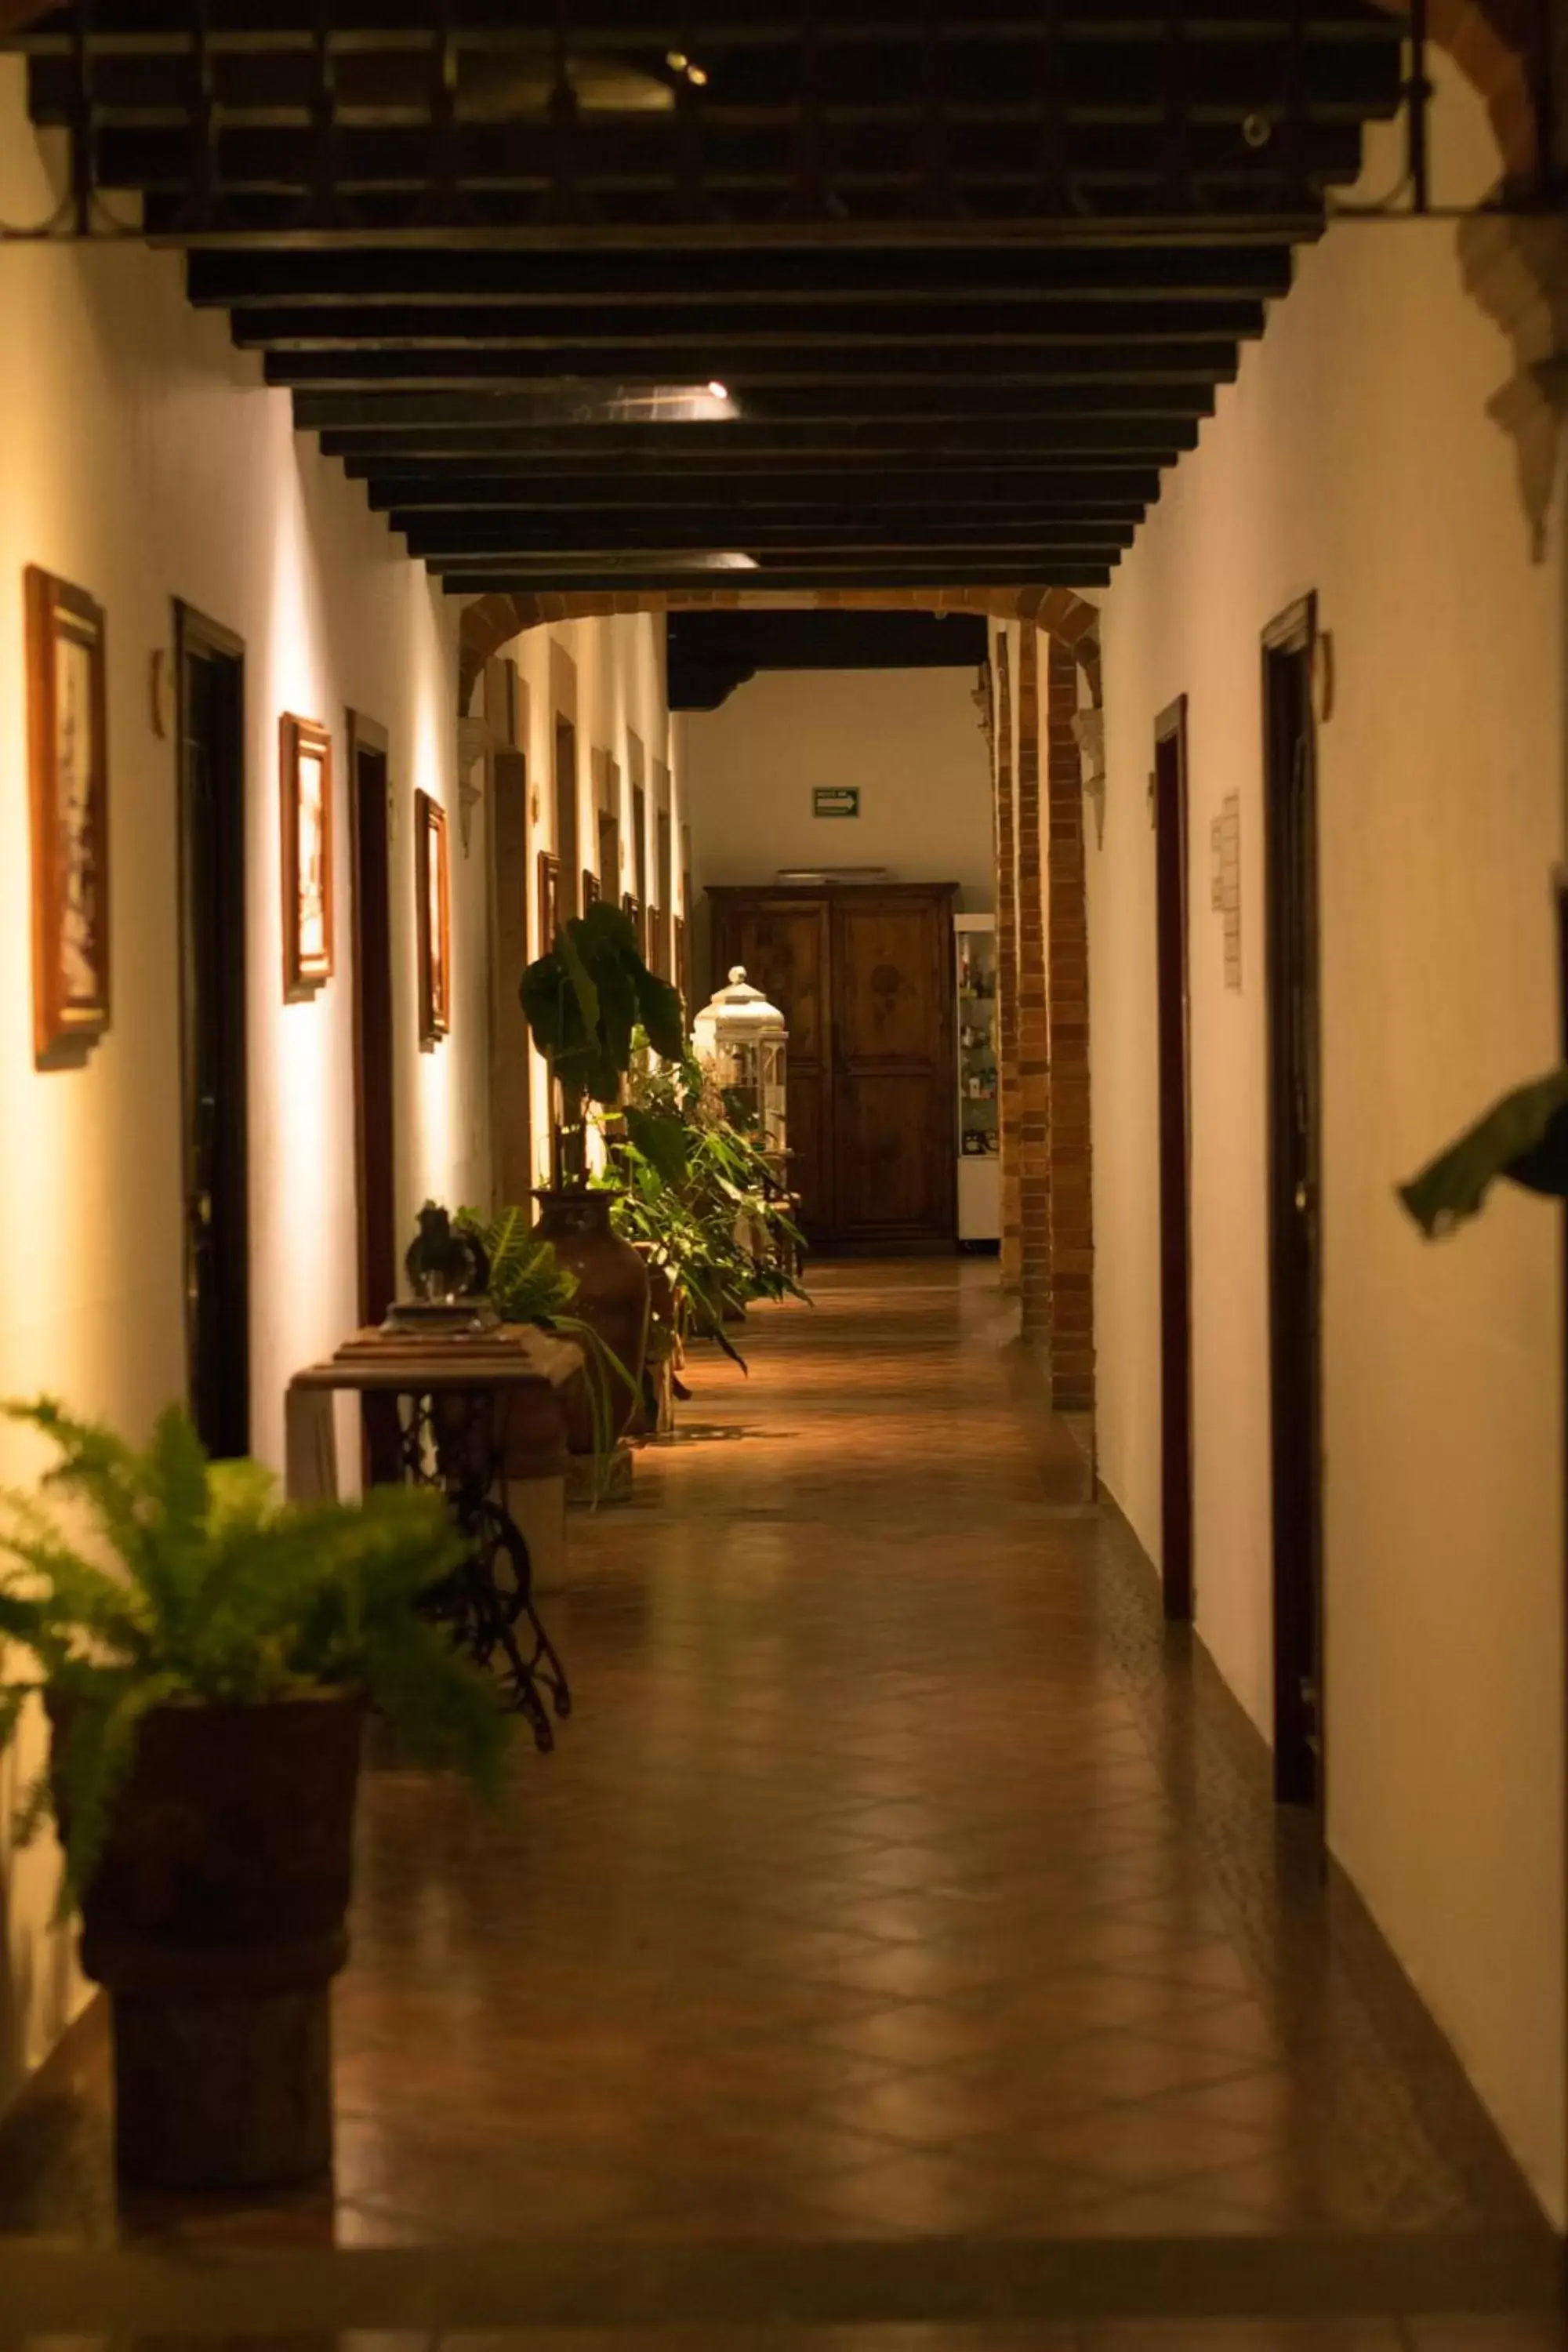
(967,274)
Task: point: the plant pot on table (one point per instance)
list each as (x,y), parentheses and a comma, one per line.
(214,1920)
(612,1298)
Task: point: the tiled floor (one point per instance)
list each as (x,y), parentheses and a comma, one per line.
(901,1934)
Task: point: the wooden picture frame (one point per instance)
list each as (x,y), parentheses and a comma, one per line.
(305,782)
(432,915)
(632,909)
(592,892)
(67,745)
(549,900)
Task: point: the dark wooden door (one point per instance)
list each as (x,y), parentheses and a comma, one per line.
(1175,1097)
(1290,848)
(210,667)
(895,1172)
(375,1143)
(865,979)
(783,944)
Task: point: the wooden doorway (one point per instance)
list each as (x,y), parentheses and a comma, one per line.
(566,858)
(376,1144)
(210,669)
(865,977)
(1290,864)
(1175,1160)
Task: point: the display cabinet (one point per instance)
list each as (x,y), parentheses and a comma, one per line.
(979,1102)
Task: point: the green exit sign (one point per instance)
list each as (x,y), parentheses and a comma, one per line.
(836,800)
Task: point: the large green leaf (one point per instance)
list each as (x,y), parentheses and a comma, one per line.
(1523,1138)
(660,1006)
(550,1003)
(665,1142)
(583,985)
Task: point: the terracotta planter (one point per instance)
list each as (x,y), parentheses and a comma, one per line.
(612,1298)
(214,1921)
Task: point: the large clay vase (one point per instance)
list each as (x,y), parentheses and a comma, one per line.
(612,1298)
(215,1921)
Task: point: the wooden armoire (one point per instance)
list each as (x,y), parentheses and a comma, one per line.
(864,975)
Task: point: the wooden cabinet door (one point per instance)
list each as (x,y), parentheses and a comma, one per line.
(783,945)
(894,1169)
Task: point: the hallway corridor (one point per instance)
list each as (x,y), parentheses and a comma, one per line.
(895,1881)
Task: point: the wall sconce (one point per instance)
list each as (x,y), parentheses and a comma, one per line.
(1088,731)
(475,742)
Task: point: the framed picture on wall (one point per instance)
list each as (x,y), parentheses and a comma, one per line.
(306,772)
(549,899)
(67,742)
(633,913)
(432,912)
(592,893)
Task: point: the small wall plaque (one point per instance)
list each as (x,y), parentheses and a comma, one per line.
(836,800)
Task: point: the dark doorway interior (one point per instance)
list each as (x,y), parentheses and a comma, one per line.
(566,884)
(374,1108)
(1290,848)
(210,664)
(375,1124)
(1175,1160)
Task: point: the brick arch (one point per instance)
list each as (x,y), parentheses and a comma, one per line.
(491,622)
(1493,43)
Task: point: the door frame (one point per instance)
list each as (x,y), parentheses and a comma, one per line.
(1295,1194)
(1173,986)
(195,632)
(364,734)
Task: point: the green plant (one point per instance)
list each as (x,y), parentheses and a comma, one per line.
(528,1285)
(584,1000)
(200,1586)
(1523,1138)
(699,1193)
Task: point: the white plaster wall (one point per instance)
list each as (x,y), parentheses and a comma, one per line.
(1356,457)
(143,459)
(608,678)
(910,739)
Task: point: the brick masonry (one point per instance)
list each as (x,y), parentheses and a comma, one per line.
(1034,1158)
(1008,962)
(1070,1196)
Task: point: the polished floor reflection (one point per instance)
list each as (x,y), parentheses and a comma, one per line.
(898,1881)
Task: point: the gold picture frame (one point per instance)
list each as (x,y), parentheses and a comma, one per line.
(433,909)
(305,769)
(68,746)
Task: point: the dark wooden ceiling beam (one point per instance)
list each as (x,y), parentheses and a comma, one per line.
(1074,418)
(542,491)
(1194,361)
(679,283)
(505,580)
(671,345)
(512,167)
(451,536)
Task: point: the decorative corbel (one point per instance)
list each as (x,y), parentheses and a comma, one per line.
(1088,731)
(1516,266)
(475,742)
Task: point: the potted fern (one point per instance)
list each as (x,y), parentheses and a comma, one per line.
(207,1655)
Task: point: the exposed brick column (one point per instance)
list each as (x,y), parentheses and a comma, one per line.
(1006,964)
(1066,931)
(1034,1013)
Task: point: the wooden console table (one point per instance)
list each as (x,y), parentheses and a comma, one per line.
(473,1414)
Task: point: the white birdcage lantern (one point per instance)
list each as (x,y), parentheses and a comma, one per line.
(745,1041)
